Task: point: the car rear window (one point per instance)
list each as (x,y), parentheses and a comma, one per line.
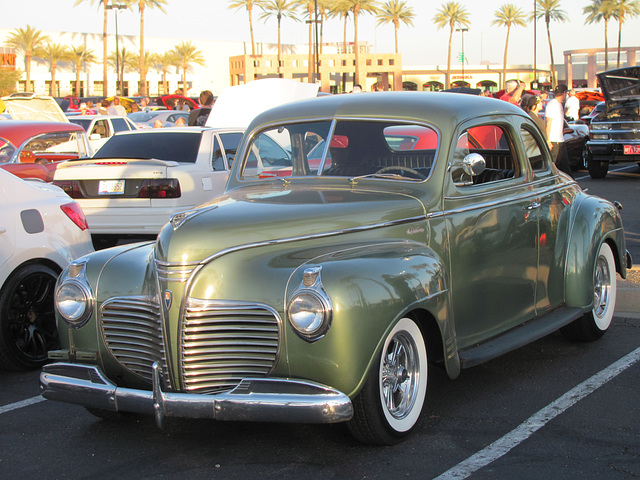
(164,145)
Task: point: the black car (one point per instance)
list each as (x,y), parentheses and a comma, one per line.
(615,132)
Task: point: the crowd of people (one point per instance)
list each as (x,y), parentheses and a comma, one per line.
(549,115)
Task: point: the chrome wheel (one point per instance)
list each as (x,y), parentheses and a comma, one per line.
(604,291)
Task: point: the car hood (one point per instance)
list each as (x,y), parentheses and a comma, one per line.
(621,84)
(236,106)
(246,218)
(39,108)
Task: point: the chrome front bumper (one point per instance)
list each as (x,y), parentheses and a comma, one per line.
(254,399)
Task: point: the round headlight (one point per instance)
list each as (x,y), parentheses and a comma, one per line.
(73,303)
(308,314)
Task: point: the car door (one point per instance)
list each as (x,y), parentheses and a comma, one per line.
(492,225)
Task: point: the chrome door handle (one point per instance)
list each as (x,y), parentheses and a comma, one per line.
(532,206)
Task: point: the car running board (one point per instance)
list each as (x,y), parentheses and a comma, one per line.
(519,336)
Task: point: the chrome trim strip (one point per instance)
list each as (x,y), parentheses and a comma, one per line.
(254,399)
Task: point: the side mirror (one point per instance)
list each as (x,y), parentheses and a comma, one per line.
(474,164)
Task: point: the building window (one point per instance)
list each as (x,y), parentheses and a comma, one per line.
(368,62)
(392,61)
(380,61)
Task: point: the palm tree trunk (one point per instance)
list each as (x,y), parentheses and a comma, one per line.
(78,67)
(395,31)
(253,43)
(143,75)
(184,79)
(606,46)
(504,62)
(553,70)
(447,80)
(279,46)
(356,78)
(105,53)
(311,60)
(52,87)
(27,57)
(620,20)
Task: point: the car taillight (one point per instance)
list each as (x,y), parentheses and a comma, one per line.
(160,188)
(70,187)
(75,213)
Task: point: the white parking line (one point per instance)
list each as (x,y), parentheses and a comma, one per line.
(512,439)
(21,404)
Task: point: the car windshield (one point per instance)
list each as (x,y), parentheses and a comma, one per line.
(162,145)
(141,117)
(349,148)
(6,150)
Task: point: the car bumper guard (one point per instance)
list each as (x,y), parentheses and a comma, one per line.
(254,399)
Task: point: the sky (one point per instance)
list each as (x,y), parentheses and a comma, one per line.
(420,44)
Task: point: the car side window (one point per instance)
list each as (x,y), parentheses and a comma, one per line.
(490,142)
(120,125)
(225,147)
(533,150)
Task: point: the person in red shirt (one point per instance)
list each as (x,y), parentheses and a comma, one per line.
(513,91)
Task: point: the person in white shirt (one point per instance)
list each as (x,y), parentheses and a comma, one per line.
(554,117)
(116,109)
(572,106)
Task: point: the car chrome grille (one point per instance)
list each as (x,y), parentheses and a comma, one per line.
(132,330)
(171,272)
(224,342)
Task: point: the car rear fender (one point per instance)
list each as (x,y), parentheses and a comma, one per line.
(596,221)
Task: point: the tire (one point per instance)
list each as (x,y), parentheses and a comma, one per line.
(390,403)
(27,319)
(597,321)
(597,169)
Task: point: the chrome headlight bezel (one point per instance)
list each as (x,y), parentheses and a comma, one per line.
(309,309)
(73,296)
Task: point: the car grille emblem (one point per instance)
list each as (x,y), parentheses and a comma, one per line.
(168,298)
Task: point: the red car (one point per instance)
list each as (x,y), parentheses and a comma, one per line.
(25,144)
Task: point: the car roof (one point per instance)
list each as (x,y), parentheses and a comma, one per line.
(17,131)
(440,109)
(174,130)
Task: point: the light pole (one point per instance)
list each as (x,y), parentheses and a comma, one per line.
(462,30)
(535,41)
(116,7)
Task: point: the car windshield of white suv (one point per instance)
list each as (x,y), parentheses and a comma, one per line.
(348,148)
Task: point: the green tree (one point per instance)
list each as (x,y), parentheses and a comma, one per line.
(162,63)
(142,6)
(550,10)
(9,81)
(146,62)
(453,15)
(279,9)
(396,11)
(187,54)
(624,9)
(601,10)
(124,60)
(27,40)
(309,7)
(248,6)
(52,54)
(80,56)
(508,15)
(359,7)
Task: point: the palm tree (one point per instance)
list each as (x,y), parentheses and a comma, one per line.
(80,55)
(550,10)
(279,9)
(341,9)
(248,6)
(601,10)
(142,5)
(452,14)
(508,15)
(162,63)
(53,53)
(186,53)
(27,40)
(624,9)
(124,60)
(357,7)
(144,64)
(310,7)
(396,11)
(105,5)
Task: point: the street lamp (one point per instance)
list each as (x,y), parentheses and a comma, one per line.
(116,7)
(462,30)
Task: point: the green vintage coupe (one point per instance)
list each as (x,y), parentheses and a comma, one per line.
(392,232)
